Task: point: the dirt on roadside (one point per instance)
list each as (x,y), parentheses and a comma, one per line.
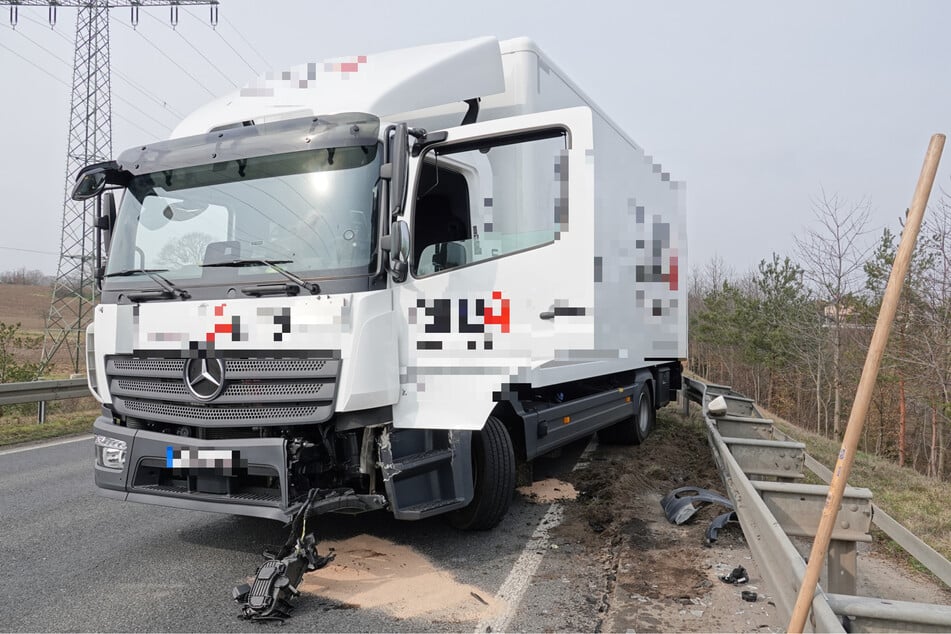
(658,576)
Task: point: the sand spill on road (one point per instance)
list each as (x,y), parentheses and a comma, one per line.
(370,572)
(548,491)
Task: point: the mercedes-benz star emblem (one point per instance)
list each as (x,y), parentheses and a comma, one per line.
(205,378)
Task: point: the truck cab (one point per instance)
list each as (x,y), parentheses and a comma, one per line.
(389,278)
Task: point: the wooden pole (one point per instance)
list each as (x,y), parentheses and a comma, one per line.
(863,395)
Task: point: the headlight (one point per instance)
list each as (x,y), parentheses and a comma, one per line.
(110,452)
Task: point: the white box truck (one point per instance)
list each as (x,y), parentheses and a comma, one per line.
(390,278)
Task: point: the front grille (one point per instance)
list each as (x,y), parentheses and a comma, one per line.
(243,392)
(277,365)
(171,413)
(257,391)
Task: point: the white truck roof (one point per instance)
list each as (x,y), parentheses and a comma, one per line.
(381,84)
(422,85)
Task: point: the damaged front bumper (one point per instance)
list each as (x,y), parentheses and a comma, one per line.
(190,473)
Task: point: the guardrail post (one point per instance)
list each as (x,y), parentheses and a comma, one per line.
(41,412)
(842,566)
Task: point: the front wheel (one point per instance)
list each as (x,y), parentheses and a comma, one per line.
(493,474)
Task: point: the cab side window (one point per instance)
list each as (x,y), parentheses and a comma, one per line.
(487,198)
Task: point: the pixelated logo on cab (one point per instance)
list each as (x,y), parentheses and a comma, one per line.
(472,317)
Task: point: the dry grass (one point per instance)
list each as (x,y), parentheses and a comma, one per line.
(26,305)
(19,422)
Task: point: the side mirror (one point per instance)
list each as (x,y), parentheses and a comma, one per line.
(92,179)
(89,185)
(397,245)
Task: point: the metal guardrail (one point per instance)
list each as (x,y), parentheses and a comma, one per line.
(928,556)
(36,391)
(41,391)
(782,565)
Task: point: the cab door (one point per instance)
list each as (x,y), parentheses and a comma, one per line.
(500,287)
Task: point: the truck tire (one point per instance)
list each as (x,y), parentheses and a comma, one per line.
(636,429)
(493,474)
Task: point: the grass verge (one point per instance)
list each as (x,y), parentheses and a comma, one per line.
(16,429)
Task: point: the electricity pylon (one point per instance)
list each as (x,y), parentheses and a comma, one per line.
(90,141)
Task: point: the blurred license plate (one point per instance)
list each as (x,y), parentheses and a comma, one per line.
(224,460)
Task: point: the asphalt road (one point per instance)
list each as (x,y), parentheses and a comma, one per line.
(75,561)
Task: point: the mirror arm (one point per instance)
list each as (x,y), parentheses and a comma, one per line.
(399,159)
(396,245)
(99,269)
(104,225)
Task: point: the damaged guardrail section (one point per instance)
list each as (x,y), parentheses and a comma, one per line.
(774,506)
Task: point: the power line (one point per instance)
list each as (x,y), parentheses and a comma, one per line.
(145,91)
(165,55)
(233,49)
(27,250)
(54,55)
(62,81)
(195,48)
(35,65)
(225,19)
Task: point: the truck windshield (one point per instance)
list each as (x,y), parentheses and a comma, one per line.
(314,210)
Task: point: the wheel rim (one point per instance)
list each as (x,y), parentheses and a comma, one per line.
(643,415)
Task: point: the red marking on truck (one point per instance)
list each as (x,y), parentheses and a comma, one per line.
(346,67)
(674,273)
(219,329)
(220,310)
(503,318)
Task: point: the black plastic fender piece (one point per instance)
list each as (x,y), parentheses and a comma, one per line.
(717,525)
(679,505)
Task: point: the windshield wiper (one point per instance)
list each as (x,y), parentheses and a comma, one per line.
(169,289)
(313,287)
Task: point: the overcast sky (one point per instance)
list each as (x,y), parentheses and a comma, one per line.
(755,105)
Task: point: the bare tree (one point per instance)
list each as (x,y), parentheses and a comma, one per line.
(931,331)
(32,277)
(833,253)
(190,249)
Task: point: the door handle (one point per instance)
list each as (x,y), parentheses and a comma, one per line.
(548,314)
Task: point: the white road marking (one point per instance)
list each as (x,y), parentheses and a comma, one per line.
(52,443)
(515,585)
(519,578)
